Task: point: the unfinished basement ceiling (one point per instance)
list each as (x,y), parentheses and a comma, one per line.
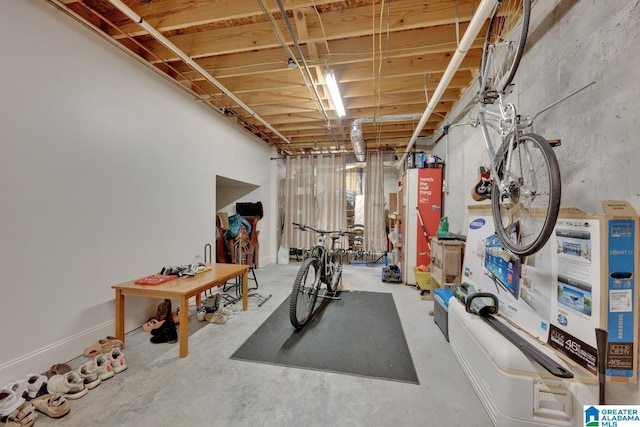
(388,57)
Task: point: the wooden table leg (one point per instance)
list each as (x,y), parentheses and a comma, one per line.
(245,290)
(183,331)
(119,315)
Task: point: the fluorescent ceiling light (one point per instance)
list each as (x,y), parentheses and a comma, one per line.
(330,78)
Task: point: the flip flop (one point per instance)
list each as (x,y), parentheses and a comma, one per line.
(53,405)
(152,324)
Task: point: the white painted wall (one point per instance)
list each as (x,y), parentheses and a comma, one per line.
(571,43)
(107,173)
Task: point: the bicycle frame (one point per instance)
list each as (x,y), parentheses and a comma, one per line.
(323,251)
(505,115)
(483,111)
(327,270)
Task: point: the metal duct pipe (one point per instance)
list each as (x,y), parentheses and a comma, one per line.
(187,60)
(479,18)
(356,130)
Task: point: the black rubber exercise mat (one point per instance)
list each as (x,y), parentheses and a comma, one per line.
(360,334)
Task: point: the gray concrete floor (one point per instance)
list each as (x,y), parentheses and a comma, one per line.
(209,389)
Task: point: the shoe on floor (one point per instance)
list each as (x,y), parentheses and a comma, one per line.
(227,311)
(216,317)
(167,334)
(57,369)
(161,312)
(24,416)
(213,303)
(52,405)
(37,385)
(103,346)
(88,371)
(69,384)
(117,360)
(103,367)
(152,324)
(19,388)
(9,401)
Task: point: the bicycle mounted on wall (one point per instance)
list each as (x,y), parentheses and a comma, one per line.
(523,178)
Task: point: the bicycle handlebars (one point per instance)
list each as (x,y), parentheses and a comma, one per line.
(304,227)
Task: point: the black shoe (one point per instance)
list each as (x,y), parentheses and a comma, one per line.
(166,334)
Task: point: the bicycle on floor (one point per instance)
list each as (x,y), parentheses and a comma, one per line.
(523,178)
(320,275)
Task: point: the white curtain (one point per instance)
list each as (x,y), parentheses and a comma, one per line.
(374,222)
(314,196)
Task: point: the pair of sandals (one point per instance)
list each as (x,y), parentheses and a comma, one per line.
(103,346)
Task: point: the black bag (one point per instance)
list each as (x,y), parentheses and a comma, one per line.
(250,209)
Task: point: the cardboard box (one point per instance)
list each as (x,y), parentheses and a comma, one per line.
(224,220)
(446,260)
(393,204)
(564,292)
(620,311)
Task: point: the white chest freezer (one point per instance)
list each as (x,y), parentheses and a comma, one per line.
(515,390)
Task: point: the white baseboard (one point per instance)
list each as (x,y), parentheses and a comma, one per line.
(40,360)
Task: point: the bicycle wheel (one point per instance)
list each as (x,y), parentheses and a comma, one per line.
(504,43)
(335,284)
(524,218)
(304,293)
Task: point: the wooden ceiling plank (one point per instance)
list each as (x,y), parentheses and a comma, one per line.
(180,14)
(442,107)
(410,43)
(407,14)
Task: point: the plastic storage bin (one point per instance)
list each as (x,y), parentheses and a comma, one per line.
(441,310)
